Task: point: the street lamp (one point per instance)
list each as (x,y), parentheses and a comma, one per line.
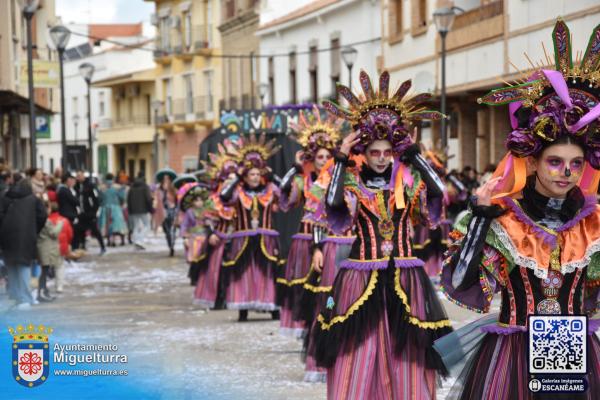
(156,106)
(60,36)
(443,19)
(86,70)
(263,88)
(349,55)
(29,8)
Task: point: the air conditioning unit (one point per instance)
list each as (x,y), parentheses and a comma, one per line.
(133,90)
(175,21)
(154,19)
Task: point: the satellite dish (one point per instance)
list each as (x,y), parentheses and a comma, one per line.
(424,82)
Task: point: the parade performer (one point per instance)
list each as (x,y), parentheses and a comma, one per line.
(430,244)
(210,289)
(252,262)
(376,332)
(533,231)
(165,204)
(318,139)
(196,227)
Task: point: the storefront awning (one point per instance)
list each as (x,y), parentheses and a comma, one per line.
(10,101)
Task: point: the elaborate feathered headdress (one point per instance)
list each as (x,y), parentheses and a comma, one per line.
(252,152)
(314,133)
(223,162)
(551,103)
(380,117)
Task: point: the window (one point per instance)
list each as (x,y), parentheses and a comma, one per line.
(419,16)
(131,168)
(143,166)
(271,80)
(118,109)
(190,163)
(130,117)
(101,104)
(164,25)
(395,20)
(208,82)
(188,81)
(336,56)
(168,90)
(75,103)
(187,26)
(229,9)
(51,165)
(313,70)
(293,80)
(209,24)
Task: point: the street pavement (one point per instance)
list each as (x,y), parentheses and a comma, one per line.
(141,300)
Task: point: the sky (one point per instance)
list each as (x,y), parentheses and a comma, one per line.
(105,11)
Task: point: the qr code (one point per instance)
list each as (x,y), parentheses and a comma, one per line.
(557,344)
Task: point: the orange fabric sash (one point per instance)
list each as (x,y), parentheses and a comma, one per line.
(574,242)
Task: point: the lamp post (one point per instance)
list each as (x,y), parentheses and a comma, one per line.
(443,19)
(263,88)
(86,70)
(29,8)
(156,106)
(349,55)
(60,36)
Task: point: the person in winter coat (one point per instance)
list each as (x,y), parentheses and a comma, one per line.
(68,204)
(48,254)
(64,241)
(89,199)
(139,206)
(22,217)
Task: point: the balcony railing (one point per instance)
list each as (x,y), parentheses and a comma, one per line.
(201,37)
(478,14)
(196,109)
(161,49)
(138,120)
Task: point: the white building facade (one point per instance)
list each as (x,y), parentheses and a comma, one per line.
(111,61)
(301,44)
(486,37)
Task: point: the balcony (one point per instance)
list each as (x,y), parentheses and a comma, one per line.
(188,111)
(162,50)
(126,129)
(203,107)
(477,25)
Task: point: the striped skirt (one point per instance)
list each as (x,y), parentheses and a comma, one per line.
(387,319)
(290,286)
(251,272)
(314,297)
(498,370)
(207,286)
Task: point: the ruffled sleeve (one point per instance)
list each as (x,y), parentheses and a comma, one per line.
(592,286)
(295,196)
(479,285)
(189,221)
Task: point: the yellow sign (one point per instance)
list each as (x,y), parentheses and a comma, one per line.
(45,73)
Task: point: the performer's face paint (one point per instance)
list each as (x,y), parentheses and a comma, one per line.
(379,155)
(558,169)
(252,178)
(321,158)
